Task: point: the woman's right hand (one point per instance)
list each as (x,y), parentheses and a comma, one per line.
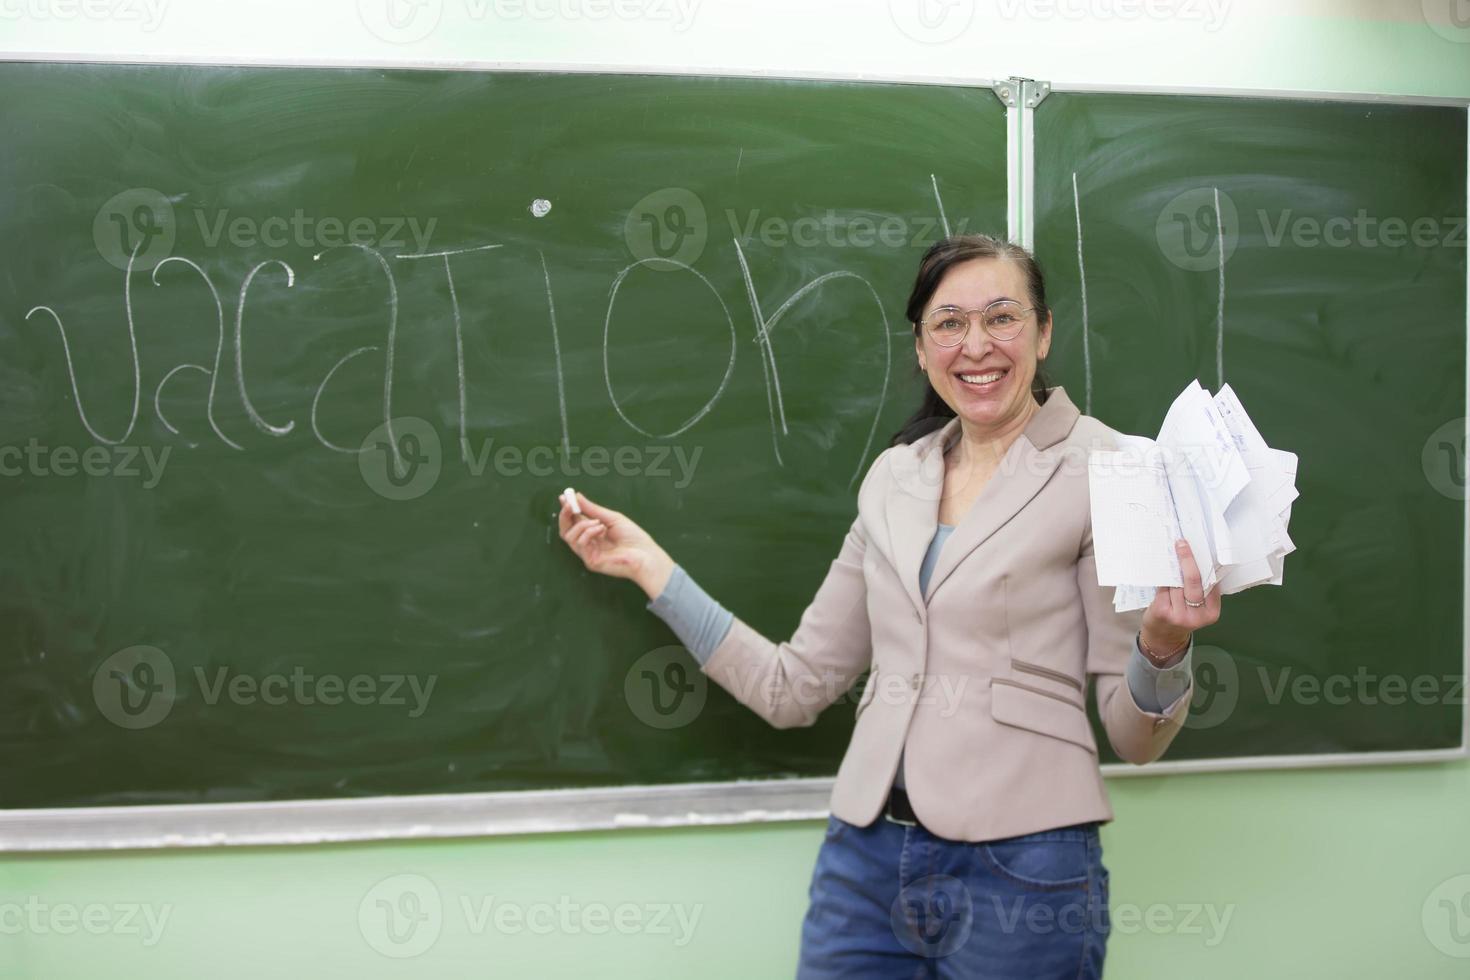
(610,543)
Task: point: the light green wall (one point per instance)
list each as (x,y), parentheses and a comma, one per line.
(1323,873)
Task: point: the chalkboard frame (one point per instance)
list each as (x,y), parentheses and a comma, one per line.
(625,807)
(1032,93)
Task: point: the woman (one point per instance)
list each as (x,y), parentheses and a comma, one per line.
(963,839)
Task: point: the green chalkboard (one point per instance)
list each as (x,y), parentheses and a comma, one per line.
(216,584)
(1342,329)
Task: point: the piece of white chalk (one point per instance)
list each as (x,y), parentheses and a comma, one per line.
(570,496)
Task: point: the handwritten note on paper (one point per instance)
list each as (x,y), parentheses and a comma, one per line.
(1209,478)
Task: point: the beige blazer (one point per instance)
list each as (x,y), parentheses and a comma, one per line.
(985,678)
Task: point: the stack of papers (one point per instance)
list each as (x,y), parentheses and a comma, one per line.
(1210,479)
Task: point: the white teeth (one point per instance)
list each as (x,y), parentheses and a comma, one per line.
(978,379)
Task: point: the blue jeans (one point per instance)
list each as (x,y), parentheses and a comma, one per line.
(892,901)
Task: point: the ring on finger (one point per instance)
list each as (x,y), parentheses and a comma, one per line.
(1192,604)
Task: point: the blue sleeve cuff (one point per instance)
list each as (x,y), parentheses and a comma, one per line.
(697,620)
(1156,689)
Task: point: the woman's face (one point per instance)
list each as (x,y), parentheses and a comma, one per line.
(974,285)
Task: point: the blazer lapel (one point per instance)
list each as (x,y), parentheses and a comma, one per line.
(913,508)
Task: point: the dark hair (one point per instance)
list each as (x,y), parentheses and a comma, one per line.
(942,256)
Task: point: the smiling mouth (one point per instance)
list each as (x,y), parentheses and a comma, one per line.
(982,380)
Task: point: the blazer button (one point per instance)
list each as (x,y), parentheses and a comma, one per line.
(918,616)
(916,679)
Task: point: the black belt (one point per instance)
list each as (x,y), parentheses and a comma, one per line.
(898,810)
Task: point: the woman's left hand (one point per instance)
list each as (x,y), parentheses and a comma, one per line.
(1169,619)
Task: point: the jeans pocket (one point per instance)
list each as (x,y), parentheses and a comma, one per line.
(836,827)
(1048,861)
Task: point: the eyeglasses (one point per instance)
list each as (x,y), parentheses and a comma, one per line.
(1004,320)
